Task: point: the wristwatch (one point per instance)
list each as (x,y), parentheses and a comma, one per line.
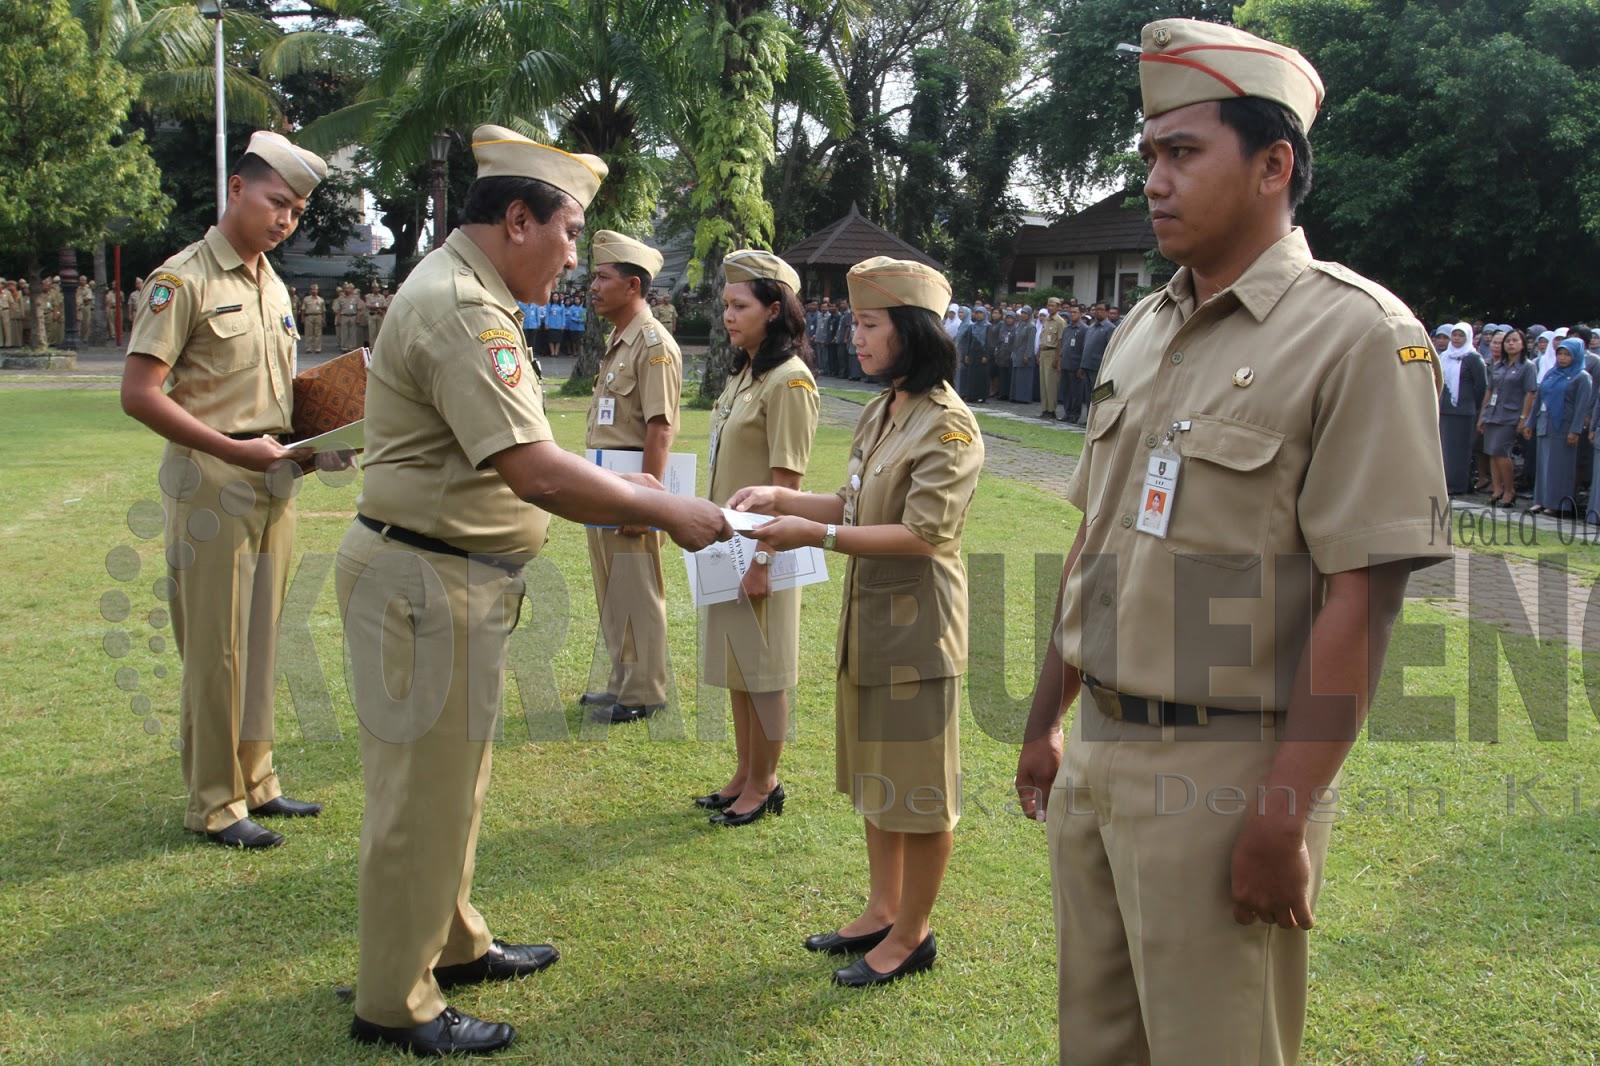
(829,536)
(762,558)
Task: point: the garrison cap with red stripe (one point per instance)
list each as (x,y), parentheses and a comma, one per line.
(1185,61)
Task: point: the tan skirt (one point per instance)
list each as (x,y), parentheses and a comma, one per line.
(752,647)
(899,753)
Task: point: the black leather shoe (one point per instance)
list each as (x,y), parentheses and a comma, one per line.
(622,713)
(501,962)
(859,975)
(714,802)
(773,803)
(835,944)
(284,807)
(597,699)
(245,834)
(451,1033)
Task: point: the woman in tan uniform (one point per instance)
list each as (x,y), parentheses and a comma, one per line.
(902,648)
(761,432)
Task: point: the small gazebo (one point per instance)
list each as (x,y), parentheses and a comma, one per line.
(823,258)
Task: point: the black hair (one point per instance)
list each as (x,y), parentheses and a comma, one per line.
(489,198)
(927,354)
(252,167)
(1523,353)
(1260,124)
(633,270)
(1583,333)
(786,334)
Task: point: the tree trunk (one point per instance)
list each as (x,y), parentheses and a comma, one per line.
(586,364)
(101,326)
(69,299)
(719,351)
(40,339)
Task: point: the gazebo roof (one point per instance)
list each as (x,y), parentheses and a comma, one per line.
(1106,226)
(850,240)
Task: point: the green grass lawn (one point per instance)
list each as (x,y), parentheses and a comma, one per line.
(1466,937)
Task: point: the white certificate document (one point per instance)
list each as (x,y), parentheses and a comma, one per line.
(348,438)
(716,571)
(678,479)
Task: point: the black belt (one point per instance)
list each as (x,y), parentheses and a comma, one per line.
(1157,712)
(252,436)
(511,564)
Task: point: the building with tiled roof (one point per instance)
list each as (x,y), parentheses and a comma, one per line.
(823,258)
(1095,254)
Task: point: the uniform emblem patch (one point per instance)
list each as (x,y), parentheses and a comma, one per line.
(1416,353)
(288,324)
(163,287)
(661,360)
(955,435)
(507,364)
(802,383)
(497,334)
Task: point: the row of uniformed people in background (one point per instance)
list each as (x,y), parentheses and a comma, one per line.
(1507,390)
(22,308)
(830,333)
(555,325)
(1050,357)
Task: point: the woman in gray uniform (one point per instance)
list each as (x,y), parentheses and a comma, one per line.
(1513,388)
(1465,383)
(1564,397)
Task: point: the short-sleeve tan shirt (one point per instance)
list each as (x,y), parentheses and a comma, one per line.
(761,424)
(450,385)
(1303,403)
(643,373)
(904,618)
(228,337)
(1050,334)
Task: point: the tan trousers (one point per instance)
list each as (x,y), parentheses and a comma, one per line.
(313,333)
(1049,379)
(229,539)
(631,597)
(426,638)
(10,332)
(349,332)
(1153,968)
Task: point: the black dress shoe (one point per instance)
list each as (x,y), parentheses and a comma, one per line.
(859,975)
(619,712)
(284,807)
(451,1033)
(501,962)
(773,803)
(246,834)
(836,944)
(714,802)
(597,699)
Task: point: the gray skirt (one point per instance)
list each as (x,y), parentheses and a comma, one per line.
(1498,439)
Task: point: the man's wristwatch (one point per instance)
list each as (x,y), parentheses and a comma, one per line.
(762,558)
(829,536)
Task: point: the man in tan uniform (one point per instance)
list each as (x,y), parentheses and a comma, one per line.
(377,304)
(666,314)
(350,316)
(86,326)
(219,322)
(635,408)
(1050,356)
(312,311)
(458,448)
(10,314)
(1259,472)
(54,313)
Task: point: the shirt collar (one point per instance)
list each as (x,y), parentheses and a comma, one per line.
(464,249)
(632,330)
(227,258)
(1262,284)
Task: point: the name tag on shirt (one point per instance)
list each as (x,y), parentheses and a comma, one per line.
(606,411)
(1160,487)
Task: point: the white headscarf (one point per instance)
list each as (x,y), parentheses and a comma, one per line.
(1450,360)
(1038,335)
(1547,358)
(952,321)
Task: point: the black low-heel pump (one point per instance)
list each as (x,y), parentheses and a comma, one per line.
(773,803)
(716,801)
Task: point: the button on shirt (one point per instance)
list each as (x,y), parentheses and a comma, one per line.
(1326,455)
(228,336)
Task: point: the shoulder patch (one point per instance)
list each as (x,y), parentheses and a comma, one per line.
(507,363)
(651,337)
(955,435)
(163,287)
(497,334)
(661,360)
(802,383)
(1416,353)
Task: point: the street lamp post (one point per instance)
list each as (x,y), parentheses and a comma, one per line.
(438,155)
(212,9)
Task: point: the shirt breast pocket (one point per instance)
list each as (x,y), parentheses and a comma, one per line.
(1228,492)
(621,378)
(230,343)
(1100,450)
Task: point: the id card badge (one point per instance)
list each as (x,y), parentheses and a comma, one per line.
(1494,398)
(1159,491)
(606,412)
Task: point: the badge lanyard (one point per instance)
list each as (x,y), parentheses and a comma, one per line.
(1161,485)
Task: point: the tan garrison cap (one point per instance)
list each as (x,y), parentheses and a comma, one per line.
(503,153)
(748,264)
(1185,61)
(612,247)
(300,168)
(884,282)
